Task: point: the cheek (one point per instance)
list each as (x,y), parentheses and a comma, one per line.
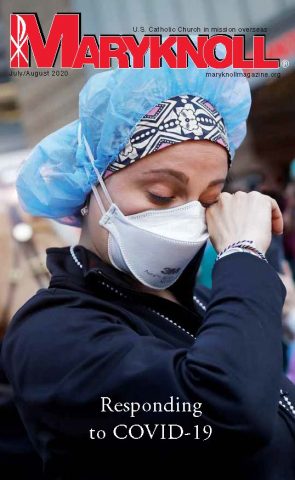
(132,202)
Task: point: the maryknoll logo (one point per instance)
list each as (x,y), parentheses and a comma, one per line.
(27,38)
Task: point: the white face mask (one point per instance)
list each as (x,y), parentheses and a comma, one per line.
(155,246)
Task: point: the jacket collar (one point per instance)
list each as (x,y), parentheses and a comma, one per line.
(60,263)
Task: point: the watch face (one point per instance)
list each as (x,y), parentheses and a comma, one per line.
(22,232)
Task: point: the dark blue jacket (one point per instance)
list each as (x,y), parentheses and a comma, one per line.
(90,335)
(18,459)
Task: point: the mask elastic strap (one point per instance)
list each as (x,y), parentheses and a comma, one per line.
(100,179)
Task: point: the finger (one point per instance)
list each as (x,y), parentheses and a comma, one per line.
(277,218)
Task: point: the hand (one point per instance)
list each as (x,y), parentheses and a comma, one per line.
(243,216)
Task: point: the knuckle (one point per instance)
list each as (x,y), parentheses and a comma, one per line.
(225,195)
(268,199)
(240,193)
(254,193)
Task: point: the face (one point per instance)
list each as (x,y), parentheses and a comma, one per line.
(178,174)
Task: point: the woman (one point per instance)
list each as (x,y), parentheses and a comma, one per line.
(117,369)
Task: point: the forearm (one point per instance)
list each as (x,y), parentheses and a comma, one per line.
(239,344)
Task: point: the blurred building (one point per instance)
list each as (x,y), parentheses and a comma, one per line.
(271,123)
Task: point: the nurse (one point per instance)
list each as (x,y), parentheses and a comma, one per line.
(141,172)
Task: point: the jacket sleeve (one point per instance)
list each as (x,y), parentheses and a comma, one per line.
(61,362)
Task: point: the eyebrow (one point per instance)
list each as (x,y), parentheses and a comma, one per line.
(181,176)
(169,171)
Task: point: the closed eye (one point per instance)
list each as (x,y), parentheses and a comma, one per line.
(160,199)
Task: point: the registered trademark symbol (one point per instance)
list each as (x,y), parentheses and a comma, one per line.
(285,63)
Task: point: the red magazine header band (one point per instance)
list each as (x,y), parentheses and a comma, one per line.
(26,37)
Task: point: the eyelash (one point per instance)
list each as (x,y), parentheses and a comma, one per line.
(158,199)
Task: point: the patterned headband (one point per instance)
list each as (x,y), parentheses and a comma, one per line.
(180,118)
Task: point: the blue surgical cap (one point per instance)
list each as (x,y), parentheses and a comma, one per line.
(56,178)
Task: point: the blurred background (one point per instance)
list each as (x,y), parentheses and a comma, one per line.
(32,107)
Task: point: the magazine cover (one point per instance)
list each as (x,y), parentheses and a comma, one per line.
(147,185)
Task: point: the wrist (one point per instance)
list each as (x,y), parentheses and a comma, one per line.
(237,250)
(245,246)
